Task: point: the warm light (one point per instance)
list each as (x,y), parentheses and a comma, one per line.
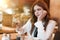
(0,12)
(26,10)
(3,4)
(0,16)
(9,11)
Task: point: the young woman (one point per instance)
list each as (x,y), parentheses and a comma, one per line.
(40,26)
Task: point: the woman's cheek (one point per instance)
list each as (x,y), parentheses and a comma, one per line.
(44,13)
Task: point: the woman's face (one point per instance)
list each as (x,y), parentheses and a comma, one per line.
(39,11)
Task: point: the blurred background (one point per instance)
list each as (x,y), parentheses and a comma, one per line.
(13,10)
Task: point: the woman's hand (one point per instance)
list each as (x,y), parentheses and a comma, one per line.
(21,30)
(42,15)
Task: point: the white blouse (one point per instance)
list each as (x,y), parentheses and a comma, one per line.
(42,34)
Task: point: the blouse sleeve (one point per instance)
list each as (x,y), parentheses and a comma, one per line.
(27,26)
(50,28)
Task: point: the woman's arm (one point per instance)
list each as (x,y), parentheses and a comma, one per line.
(50,27)
(27,26)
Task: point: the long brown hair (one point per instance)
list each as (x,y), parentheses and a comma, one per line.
(45,7)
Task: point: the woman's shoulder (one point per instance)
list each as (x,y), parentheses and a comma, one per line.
(52,21)
(28,22)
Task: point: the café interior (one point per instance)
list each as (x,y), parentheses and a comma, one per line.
(13,10)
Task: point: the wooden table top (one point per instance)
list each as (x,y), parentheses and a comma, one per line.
(8,30)
(5,29)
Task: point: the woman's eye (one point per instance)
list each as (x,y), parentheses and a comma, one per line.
(38,9)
